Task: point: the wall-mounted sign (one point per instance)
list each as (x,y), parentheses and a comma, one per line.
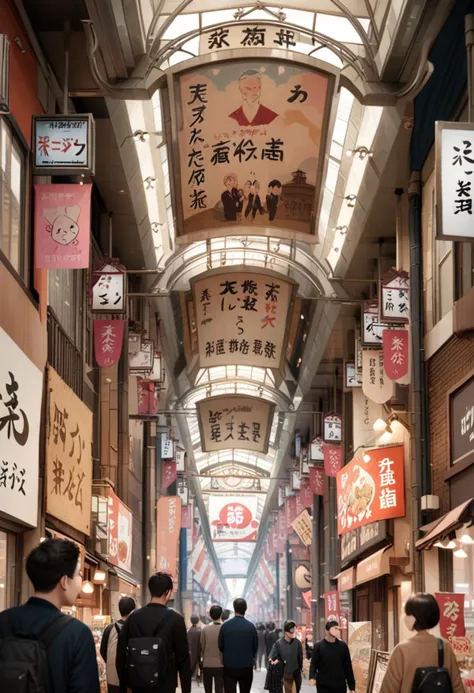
(396,352)
(68,456)
(233,518)
(317,452)
(332,459)
(250,136)
(21,391)
(242,318)
(168,474)
(372,327)
(168,527)
(63,145)
(332,606)
(461,423)
(246,36)
(316,480)
(167,448)
(395,292)
(62,226)
(183,490)
(143,361)
(119,532)
(134,343)
(156,375)
(304,460)
(375,383)
(372,490)
(303,527)
(235,421)
(358,541)
(108,340)
(332,428)
(295,480)
(352,378)
(147,398)
(454,165)
(109,288)
(451,623)
(180,455)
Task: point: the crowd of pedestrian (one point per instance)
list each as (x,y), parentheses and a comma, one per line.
(149,650)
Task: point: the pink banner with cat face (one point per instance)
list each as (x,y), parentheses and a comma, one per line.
(62,226)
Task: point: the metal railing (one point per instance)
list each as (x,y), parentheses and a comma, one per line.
(63,356)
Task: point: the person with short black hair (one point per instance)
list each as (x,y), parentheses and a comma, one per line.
(238,643)
(194,638)
(289,652)
(225,615)
(421,615)
(331,665)
(271,638)
(108,644)
(54,569)
(152,621)
(210,655)
(261,654)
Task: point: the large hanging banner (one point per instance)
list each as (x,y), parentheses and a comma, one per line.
(62,226)
(332,459)
(396,354)
(68,456)
(119,532)
(371,490)
(242,318)
(168,527)
(375,383)
(316,480)
(234,421)
(251,138)
(108,340)
(21,392)
(233,518)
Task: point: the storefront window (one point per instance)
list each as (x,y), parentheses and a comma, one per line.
(12,167)
(3,571)
(463,574)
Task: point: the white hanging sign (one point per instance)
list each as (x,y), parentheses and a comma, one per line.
(167,448)
(332,428)
(372,327)
(375,384)
(317,452)
(352,378)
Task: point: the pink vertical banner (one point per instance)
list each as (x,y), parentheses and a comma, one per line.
(332,459)
(62,226)
(168,474)
(187,517)
(299,504)
(316,480)
(306,494)
(108,339)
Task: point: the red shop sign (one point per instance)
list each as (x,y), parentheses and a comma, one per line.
(108,340)
(395,353)
(451,607)
(332,459)
(316,480)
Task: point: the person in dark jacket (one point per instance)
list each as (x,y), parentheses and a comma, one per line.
(289,651)
(271,638)
(238,643)
(54,568)
(331,665)
(108,644)
(194,638)
(261,635)
(144,622)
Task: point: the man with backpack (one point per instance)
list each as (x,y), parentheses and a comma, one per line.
(108,645)
(153,645)
(41,649)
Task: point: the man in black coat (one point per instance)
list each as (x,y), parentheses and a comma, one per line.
(144,623)
(54,568)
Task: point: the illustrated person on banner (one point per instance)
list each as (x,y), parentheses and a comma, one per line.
(231,198)
(252,112)
(273,195)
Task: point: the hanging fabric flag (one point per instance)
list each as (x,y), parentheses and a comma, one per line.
(396,353)
(62,226)
(147,394)
(316,480)
(375,384)
(307,598)
(332,459)
(168,474)
(299,504)
(306,494)
(108,340)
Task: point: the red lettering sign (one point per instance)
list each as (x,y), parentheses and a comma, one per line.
(168,474)
(451,607)
(395,353)
(332,606)
(316,480)
(108,340)
(332,459)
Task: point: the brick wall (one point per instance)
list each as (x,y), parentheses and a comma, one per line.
(453,362)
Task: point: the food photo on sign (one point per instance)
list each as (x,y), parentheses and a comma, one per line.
(371,489)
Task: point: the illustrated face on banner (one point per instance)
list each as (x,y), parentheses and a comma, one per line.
(250,144)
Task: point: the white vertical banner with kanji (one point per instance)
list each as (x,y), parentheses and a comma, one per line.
(375,384)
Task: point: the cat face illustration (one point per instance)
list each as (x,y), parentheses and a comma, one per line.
(63,225)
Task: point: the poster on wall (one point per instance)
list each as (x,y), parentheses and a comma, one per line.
(371,490)
(235,421)
(451,606)
(360,647)
(233,518)
(250,140)
(21,392)
(119,533)
(62,226)
(242,318)
(303,527)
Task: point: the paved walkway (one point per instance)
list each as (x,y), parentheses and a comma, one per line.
(258,684)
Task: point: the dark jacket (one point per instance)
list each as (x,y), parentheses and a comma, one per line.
(331,666)
(143,623)
(290,653)
(72,656)
(261,635)
(194,639)
(238,643)
(274,678)
(270,640)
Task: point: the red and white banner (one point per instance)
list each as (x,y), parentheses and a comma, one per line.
(372,490)
(62,226)
(332,606)
(332,459)
(281,532)
(290,513)
(316,480)
(168,526)
(233,518)
(299,504)
(187,513)
(307,598)
(168,474)
(119,533)
(396,353)
(451,607)
(147,396)
(108,340)
(306,494)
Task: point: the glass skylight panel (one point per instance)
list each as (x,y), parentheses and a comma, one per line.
(336,150)
(328,56)
(217,17)
(338,28)
(332,174)
(178,57)
(192,46)
(256,15)
(299,17)
(156,105)
(181,25)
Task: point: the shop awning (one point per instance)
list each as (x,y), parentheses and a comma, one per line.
(374,566)
(440,529)
(123,575)
(346,580)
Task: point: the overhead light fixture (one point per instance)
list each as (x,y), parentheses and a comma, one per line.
(88,587)
(366,458)
(460,553)
(362,153)
(99,576)
(451,544)
(379,425)
(351,200)
(466,539)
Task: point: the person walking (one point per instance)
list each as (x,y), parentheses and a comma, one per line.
(153,645)
(38,643)
(210,655)
(238,643)
(261,653)
(421,651)
(331,665)
(289,652)
(271,638)
(108,644)
(194,638)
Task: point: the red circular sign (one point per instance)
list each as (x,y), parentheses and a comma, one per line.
(235,515)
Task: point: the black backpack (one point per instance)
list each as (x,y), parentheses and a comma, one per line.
(433,679)
(148,658)
(23,658)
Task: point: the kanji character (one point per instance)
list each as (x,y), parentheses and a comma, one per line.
(233,346)
(270,350)
(194,136)
(297,93)
(253,37)
(249,303)
(197,112)
(80,147)
(249,287)
(464,154)
(257,347)
(69,490)
(272,292)
(3,474)
(12,417)
(388,498)
(195,157)
(198,92)
(198,199)
(78,498)
(245,150)
(244,347)
(210,348)
(243,429)
(285,37)
(44,145)
(58,476)
(387,474)
(217,39)
(451,610)
(197,177)
(81,444)
(221,153)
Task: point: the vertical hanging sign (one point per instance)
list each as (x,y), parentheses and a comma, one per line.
(375,384)
(108,294)
(317,454)
(108,339)
(332,428)
(395,293)
(332,459)
(396,353)
(316,480)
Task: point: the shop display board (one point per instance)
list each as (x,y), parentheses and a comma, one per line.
(360,647)
(378,667)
